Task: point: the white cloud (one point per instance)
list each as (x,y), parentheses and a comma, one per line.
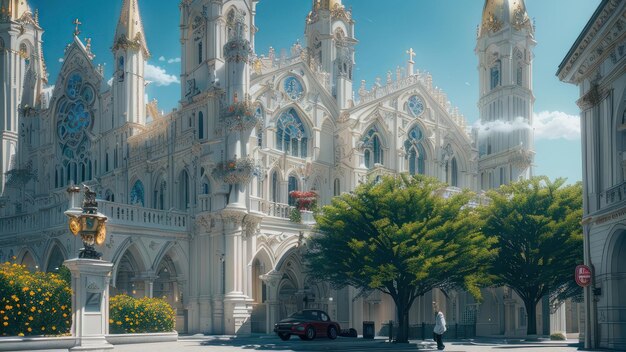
(556,125)
(547,125)
(61,59)
(171,61)
(159,76)
(485,129)
(162,58)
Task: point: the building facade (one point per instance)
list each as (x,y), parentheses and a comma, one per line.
(596,64)
(199,199)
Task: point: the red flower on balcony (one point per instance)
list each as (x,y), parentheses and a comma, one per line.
(304,200)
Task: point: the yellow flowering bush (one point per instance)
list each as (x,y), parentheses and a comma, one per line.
(140,315)
(33,303)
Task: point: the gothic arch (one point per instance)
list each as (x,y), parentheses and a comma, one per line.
(53,251)
(177,255)
(159,190)
(26,256)
(136,249)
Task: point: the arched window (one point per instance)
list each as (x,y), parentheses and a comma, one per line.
(206,187)
(158,200)
(293,186)
(200,125)
(520,74)
(137,194)
(184,190)
(454,173)
(260,115)
(274,186)
(495,74)
(199,53)
(372,148)
(415,151)
(120,69)
(109,196)
(291,137)
(337,188)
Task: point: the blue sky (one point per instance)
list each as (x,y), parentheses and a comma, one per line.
(442,33)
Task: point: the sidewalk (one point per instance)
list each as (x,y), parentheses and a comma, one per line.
(203,343)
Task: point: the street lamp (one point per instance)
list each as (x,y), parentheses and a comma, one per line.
(87,222)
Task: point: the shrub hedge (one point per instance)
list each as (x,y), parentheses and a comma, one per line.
(132,315)
(39,303)
(33,303)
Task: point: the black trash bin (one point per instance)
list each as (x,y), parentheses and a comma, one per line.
(369,330)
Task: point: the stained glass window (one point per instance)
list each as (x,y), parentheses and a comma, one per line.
(291,136)
(454,179)
(136,194)
(415,105)
(372,148)
(74,119)
(293,88)
(415,151)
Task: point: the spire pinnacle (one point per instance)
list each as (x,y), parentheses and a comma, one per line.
(129,32)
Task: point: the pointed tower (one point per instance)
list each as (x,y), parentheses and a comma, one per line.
(130,53)
(23,74)
(330,41)
(505,52)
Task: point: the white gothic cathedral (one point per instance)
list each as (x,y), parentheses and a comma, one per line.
(198,199)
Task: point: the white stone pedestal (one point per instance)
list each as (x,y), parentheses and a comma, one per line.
(90,303)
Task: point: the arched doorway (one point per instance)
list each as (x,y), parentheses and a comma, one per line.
(28,260)
(127,281)
(55,260)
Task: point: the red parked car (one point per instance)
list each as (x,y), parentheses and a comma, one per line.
(307,324)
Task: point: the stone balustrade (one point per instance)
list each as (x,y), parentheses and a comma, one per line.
(272,209)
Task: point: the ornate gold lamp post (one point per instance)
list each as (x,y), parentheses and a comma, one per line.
(90,275)
(88,222)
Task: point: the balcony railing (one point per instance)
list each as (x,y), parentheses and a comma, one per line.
(118,214)
(615,194)
(273,209)
(131,215)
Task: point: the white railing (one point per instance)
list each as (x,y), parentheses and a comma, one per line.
(118,214)
(123,214)
(273,209)
(25,223)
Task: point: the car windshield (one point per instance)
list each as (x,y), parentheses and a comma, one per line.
(299,315)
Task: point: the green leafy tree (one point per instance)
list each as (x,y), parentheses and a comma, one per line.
(536,225)
(400,237)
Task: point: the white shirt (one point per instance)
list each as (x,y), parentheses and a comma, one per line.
(440,324)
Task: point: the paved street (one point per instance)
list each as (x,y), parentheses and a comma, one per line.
(271,343)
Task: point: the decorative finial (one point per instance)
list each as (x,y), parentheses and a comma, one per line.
(76,30)
(411,54)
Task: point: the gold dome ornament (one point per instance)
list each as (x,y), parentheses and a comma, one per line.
(101,235)
(75,226)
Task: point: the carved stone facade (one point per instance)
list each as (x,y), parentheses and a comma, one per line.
(596,64)
(198,199)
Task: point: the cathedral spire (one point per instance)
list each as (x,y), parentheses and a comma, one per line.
(13,9)
(129,32)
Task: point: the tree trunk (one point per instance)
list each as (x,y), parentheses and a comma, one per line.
(402,336)
(531,311)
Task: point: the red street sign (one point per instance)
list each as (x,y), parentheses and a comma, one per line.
(583,275)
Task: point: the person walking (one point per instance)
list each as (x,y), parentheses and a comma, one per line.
(440,327)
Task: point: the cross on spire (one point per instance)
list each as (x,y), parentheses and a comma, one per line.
(411,54)
(76,30)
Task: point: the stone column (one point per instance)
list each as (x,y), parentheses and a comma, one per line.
(271,279)
(90,303)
